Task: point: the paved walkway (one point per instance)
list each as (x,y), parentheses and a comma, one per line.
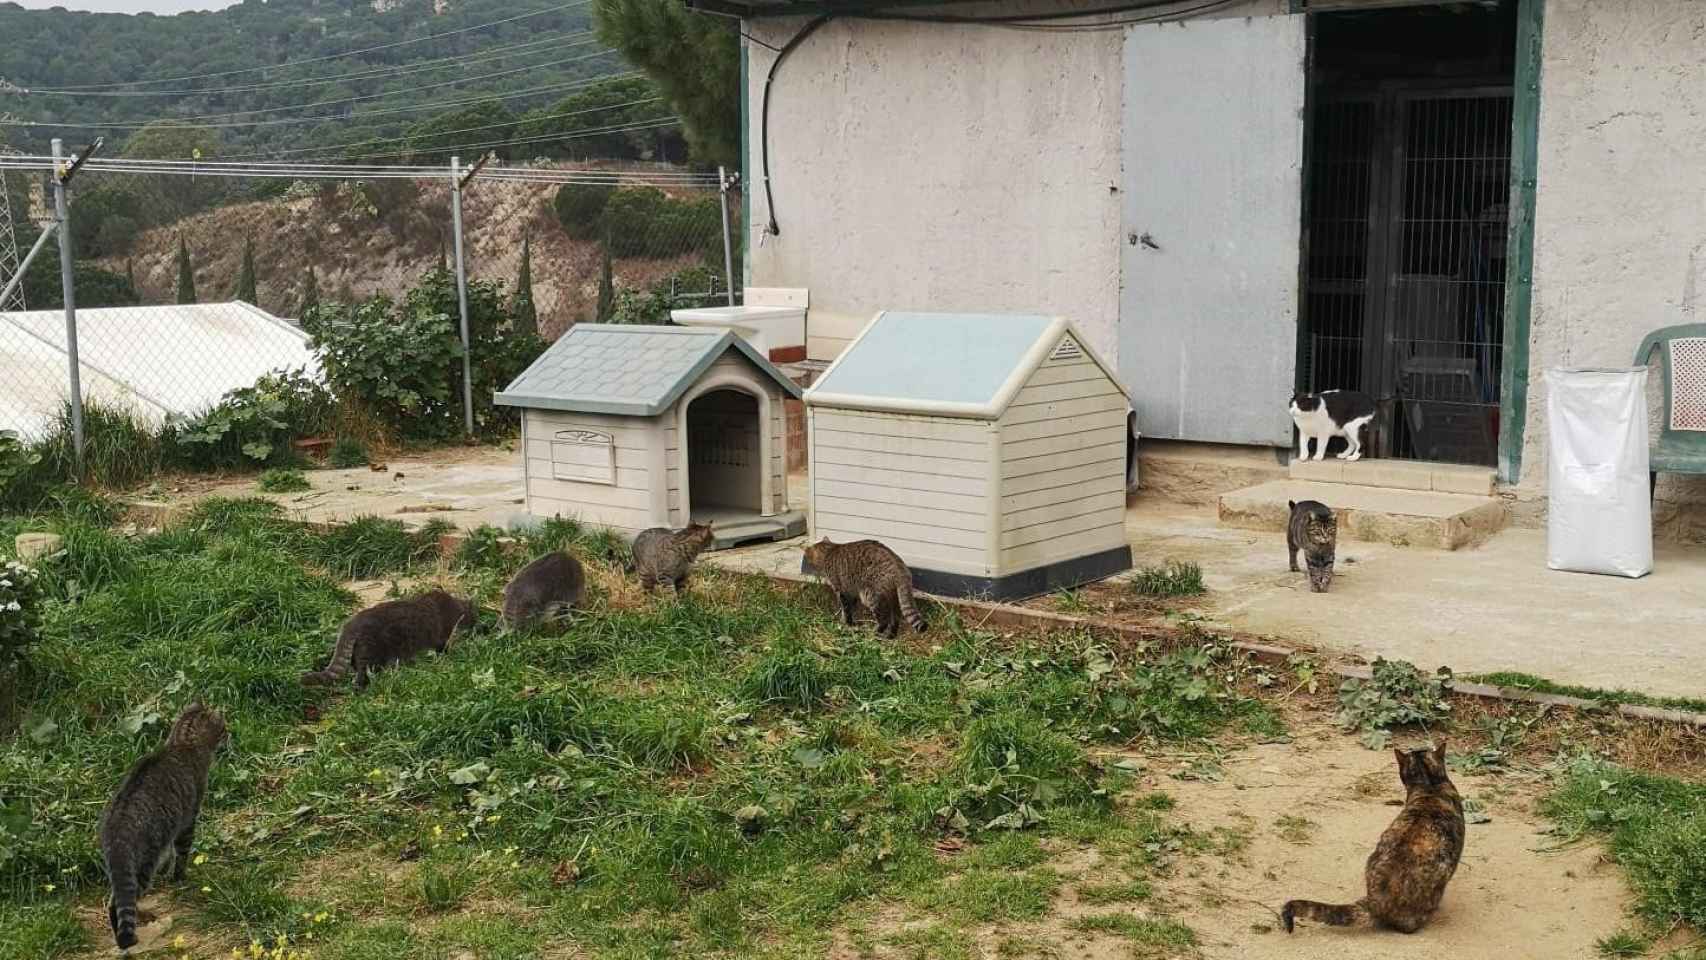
(1493,607)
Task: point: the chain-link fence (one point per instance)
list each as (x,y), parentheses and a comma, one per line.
(194,280)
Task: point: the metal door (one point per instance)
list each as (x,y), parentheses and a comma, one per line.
(1213,159)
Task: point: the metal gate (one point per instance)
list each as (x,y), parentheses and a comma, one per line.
(1405,263)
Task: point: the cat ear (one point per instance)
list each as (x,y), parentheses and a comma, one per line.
(1291,504)
(1439,752)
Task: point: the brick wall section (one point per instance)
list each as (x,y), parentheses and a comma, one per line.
(803,374)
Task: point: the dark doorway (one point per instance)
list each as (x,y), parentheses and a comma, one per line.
(725,479)
(1406,195)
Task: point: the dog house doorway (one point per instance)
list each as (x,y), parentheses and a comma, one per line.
(725,457)
(1406,192)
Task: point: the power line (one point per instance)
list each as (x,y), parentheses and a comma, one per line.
(441,133)
(477,98)
(353,171)
(338,56)
(367,74)
(513,141)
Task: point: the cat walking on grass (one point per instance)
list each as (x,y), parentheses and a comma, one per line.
(867,572)
(662,555)
(393,632)
(546,589)
(153,816)
(1405,876)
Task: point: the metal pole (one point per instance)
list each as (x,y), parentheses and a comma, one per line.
(728,247)
(462,296)
(29,258)
(68,282)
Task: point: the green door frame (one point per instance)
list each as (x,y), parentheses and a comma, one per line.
(1519,256)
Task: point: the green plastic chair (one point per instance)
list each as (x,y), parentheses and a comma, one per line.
(1681,447)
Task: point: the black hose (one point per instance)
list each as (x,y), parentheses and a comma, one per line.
(773,228)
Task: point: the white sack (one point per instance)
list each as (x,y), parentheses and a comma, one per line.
(1600,514)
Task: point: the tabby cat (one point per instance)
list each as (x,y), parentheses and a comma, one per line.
(662,555)
(396,631)
(152,817)
(546,589)
(867,572)
(1314,530)
(1416,857)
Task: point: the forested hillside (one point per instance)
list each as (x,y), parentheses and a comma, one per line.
(371,80)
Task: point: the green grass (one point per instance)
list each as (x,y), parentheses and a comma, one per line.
(1174,578)
(347,453)
(588,778)
(1655,828)
(1526,681)
(1100,894)
(283,480)
(1147,934)
(1623,943)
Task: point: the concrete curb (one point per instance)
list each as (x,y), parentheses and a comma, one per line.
(984,613)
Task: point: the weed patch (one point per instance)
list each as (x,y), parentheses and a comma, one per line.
(1175,578)
(1397,695)
(283,480)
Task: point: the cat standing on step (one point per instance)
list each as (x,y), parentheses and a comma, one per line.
(1416,857)
(396,631)
(662,555)
(545,589)
(152,817)
(1328,414)
(1315,531)
(867,572)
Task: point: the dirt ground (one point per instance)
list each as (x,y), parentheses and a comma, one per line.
(1297,820)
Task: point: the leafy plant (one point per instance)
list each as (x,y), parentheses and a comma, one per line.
(20,611)
(252,425)
(16,459)
(347,452)
(283,480)
(1396,695)
(1174,578)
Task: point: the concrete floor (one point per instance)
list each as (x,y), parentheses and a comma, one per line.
(1480,609)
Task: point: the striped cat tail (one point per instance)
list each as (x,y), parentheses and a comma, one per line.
(342,656)
(121,905)
(909,610)
(1332,914)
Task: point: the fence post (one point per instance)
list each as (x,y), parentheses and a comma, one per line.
(728,246)
(68,283)
(462,296)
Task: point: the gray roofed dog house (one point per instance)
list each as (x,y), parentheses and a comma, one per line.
(987,450)
(631,426)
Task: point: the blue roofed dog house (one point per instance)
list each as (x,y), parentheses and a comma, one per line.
(987,450)
(631,426)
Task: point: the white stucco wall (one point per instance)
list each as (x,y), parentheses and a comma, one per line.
(941,167)
(1620,207)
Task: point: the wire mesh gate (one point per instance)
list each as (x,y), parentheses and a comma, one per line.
(1405,264)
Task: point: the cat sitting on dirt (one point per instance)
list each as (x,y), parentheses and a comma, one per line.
(1415,858)
(152,817)
(867,572)
(396,631)
(662,555)
(546,589)
(1314,530)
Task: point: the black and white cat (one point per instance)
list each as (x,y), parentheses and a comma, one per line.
(1328,414)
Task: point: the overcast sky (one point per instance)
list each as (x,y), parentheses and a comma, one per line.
(128,6)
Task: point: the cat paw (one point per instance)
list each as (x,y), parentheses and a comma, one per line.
(1353,458)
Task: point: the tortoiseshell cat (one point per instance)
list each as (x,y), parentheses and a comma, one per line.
(396,631)
(152,817)
(1416,857)
(662,555)
(867,572)
(1314,530)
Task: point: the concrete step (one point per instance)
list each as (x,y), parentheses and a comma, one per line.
(726,533)
(1421,518)
(1398,475)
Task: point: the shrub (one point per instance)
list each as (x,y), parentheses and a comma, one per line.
(347,452)
(20,611)
(16,462)
(402,361)
(254,425)
(646,222)
(580,208)
(1397,695)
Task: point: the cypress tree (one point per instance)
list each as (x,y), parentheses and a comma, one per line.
(310,293)
(186,275)
(246,276)
(526,317)
(606,286)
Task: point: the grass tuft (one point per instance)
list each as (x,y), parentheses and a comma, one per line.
(347,453)
(283,480)
(1174,578)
